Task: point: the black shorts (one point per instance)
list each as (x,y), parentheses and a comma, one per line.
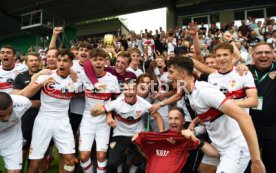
(27,124)
(75,120)
(117,148)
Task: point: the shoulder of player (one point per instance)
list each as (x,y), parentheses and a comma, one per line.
(20,67)
(120,100)
(110,69)
(131,75)
(142,100)
(19,100)
(22,74)
(110,75)
(204,88)
(214,74)
(82,73)
(236,73)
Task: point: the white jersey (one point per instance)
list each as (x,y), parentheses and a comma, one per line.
(77,104)
(181,104)
(138,72)
(7,77)
(222,129)
(232,84)
(11,131)
(109,85)
(55,97)
(128,117)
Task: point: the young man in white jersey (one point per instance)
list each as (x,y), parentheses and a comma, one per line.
(95,128)
(241,89)
(12,108)
(220,113)
(9,70)
(52,121)
(128,112)
(77,103)
(135,55)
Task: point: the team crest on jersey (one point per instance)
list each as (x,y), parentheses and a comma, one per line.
(71,86)
(101,86)
(112,145)
(171,140)
(272,75)
(232,83)
(138,113)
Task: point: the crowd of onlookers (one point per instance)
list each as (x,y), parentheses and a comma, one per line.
(171,42)
(145,55)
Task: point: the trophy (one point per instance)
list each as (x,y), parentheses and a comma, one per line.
(108,39)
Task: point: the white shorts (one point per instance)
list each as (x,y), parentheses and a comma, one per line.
(12,155)
(208,160)
(91,131)
(234,159)
(44,130)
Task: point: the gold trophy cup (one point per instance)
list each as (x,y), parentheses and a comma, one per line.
(108,39)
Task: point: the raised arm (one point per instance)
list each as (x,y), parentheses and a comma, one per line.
(56,32)
(227,37)
(202,67)
(193,30)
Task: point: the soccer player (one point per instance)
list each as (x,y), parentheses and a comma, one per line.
(133,67)
(77,103)
(95,128)
(8,69)
(168,151)
(21,81)
(12,108)
(241,89)
(213,108)
(120,70)
(127,122)
(52,120)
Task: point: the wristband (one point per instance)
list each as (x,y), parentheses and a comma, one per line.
(201,144)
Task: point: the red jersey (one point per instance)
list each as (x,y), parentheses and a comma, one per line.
(166,152)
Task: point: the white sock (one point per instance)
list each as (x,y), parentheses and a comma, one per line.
(101,166)
(87,167)
(133,169)
(120,168)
